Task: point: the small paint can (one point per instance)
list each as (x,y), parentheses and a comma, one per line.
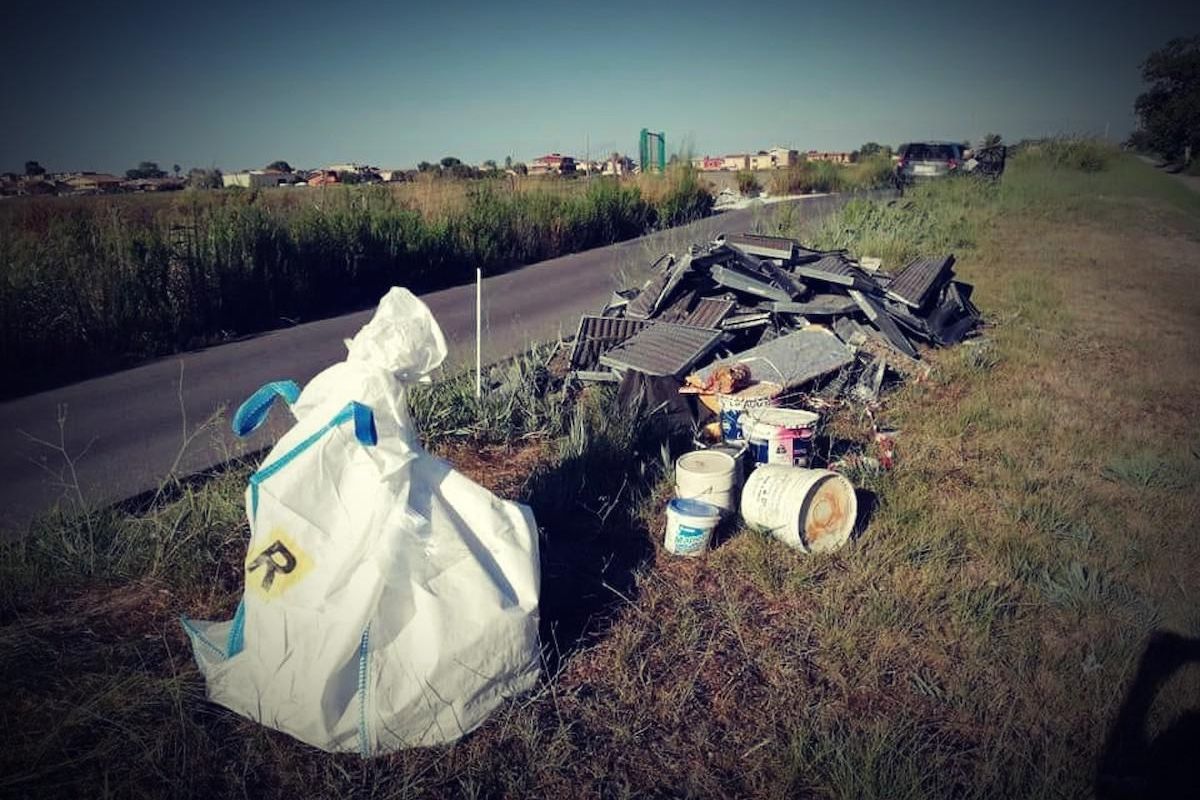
(690,525)
(781,435)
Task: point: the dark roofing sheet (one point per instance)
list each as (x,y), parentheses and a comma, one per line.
(883,321)
(647,299)
(677,308)
(732,278)
(913,285)
(766,246)
(598,335)
(836,269)
(663,349)
(709,312)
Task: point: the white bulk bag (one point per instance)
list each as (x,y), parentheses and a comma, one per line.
(390,601)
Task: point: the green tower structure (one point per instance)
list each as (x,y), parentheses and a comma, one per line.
(653,151)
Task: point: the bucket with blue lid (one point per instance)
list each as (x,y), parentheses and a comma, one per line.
(690,525)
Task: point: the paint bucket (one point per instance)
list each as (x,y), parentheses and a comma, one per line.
(708,475)
(732,406)
(781,435)
(690,525)
(809,509)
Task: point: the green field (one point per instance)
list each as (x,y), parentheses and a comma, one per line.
(1036,539)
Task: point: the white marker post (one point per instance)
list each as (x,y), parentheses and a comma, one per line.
(478,333)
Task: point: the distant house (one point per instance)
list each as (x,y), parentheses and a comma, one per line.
(552,164)
(735,162)
(94,182)
(256,179)
(782,157)
(620,165)
(761,160)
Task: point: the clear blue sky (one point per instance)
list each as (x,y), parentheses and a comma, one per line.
(103,85)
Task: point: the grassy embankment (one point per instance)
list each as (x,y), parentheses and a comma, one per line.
(91,284)
(976,641)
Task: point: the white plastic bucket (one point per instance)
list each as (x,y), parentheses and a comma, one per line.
(690,525)
(780,435)
(708,475)
(732,406)
(809,509)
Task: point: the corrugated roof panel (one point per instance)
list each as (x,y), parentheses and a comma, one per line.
(598,335)
(836,269)
(663,349)
(709,312)
(912,286)
(647,299)
(765,246)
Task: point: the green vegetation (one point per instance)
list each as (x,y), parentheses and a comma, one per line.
(1169,111)
(92,283)
(747,183)
(825,176)
(976,641)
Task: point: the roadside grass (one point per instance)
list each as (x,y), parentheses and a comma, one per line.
(975,641)
(825,176)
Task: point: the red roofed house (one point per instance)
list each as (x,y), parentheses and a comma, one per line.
(552,164)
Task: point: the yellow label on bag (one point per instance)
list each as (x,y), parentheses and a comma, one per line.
(273,569)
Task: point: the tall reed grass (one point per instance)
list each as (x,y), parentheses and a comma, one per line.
(825,176)
(89,284)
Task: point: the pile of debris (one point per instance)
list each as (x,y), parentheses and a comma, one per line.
(791,315)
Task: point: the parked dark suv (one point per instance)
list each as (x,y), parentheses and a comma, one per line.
(920,160)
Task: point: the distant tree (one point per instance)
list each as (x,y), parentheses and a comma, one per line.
(991,140)
(177,169)
(279,166)
(520,168)
(145,169)
(33,168)
(508,162)
(870,149)
(424,166)
(450,161)
(1169,111)
(199,178)
(490,164)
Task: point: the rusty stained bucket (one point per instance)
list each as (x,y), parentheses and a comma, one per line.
(813,510)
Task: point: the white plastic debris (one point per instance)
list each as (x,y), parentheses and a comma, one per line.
(389,600)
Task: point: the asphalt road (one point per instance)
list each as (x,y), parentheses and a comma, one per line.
(121,434)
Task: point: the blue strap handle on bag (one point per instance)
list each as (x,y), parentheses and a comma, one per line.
(250,416)
(364,432)
(253,412)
